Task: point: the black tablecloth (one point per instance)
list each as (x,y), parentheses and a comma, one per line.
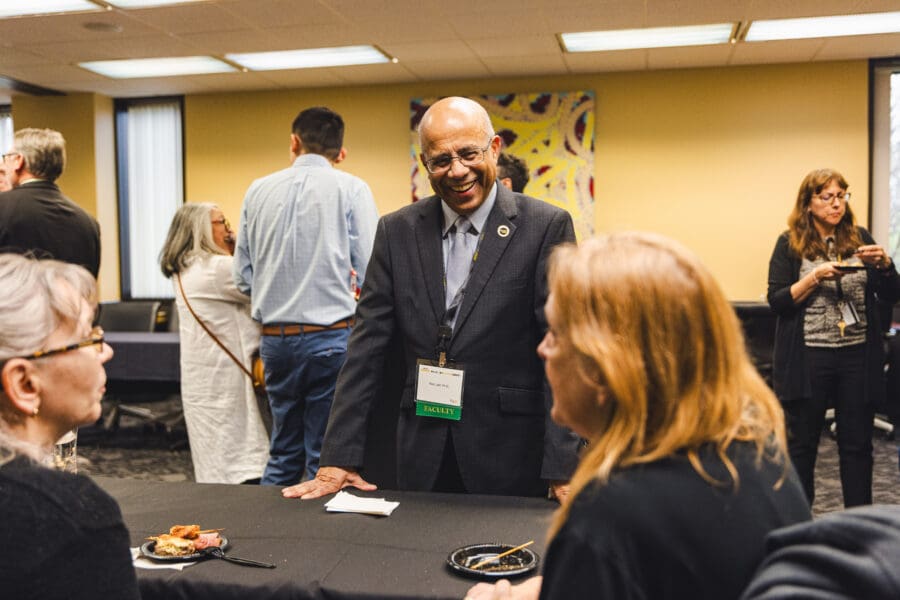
(143,356)
(319,554)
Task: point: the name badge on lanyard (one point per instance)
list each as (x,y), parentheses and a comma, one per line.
(439,384)
(439,390)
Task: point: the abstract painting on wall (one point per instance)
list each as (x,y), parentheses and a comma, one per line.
(552,132)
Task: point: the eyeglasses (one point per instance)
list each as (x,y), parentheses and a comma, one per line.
(829,198)
(95,340)
(222,221)
(11,154)
(468,157)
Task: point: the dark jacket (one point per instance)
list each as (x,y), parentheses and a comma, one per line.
(505,442)
(790,370)
(845,555)
(36,217)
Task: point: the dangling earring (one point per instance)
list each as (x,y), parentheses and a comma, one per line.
(35,411)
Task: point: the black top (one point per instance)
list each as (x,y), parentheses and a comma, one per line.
(661,531)
(62,537)
(36,217)
(790,371)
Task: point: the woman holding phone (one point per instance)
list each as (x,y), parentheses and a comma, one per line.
(826,276)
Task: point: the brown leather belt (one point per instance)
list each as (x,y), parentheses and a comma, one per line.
(301,328)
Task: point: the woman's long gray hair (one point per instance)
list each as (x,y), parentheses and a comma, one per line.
(189,235)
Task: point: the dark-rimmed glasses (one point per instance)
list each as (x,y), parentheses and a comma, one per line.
(829,198)
(468,157)
(95,340)
(11,154)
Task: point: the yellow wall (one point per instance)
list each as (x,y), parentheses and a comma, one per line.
(712,157)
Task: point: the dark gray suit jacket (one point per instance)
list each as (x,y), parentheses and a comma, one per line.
(505,442)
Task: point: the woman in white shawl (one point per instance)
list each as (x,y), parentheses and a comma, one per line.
(225,429)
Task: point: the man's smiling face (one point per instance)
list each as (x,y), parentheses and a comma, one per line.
(454,128)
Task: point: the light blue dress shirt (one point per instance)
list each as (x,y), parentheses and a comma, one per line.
(302,231)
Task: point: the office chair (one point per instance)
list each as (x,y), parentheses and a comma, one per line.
(132,316)
(758,323)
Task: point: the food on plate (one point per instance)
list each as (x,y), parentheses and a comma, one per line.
(172,545)
(183,540)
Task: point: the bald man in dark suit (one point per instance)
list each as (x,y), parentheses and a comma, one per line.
(484,331)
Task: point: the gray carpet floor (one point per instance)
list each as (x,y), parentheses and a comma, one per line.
(142,451)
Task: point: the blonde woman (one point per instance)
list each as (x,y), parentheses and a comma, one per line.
(62,536)
(225,427)
(686,470)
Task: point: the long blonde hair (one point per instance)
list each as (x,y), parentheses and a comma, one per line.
(649,326)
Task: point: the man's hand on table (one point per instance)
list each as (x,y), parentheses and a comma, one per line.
(328,481)
(559,490)
(530,589)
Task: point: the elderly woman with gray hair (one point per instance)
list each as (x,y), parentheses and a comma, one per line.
(225,428)
(62,536)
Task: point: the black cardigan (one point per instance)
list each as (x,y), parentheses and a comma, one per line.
(790,370)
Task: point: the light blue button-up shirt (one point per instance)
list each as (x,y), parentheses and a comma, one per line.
(302,231)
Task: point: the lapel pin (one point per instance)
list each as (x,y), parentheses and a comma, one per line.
(503,231)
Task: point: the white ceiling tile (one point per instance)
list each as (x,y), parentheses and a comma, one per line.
(689,56)
(433,39)
(755,53)
(303,78)
(447,69)
(861,46)
(281,13)
(138,47)
(441,50)
(518,45)
(372,74)
(598,62)
(187,18)
(513,66)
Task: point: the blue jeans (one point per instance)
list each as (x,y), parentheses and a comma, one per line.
(301,371)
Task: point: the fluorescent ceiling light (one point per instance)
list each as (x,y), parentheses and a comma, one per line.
(653,37)
(158,67)
(310,58)
(818,27)
(18,8)
(147,3)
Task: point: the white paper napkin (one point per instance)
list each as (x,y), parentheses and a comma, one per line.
(344,502)
(142,562)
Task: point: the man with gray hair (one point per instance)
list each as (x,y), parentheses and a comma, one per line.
(35,216)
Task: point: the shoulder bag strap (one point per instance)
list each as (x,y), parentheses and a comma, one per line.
(211,334)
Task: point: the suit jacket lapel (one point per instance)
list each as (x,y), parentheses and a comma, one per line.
(431,253)
(492,247)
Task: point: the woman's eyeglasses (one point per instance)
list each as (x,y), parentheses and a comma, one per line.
(222,221)
(829,198)
(96,340)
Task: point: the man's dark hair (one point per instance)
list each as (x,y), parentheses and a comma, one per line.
(514,168)
(321,130)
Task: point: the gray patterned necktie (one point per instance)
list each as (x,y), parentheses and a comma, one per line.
(459,257)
